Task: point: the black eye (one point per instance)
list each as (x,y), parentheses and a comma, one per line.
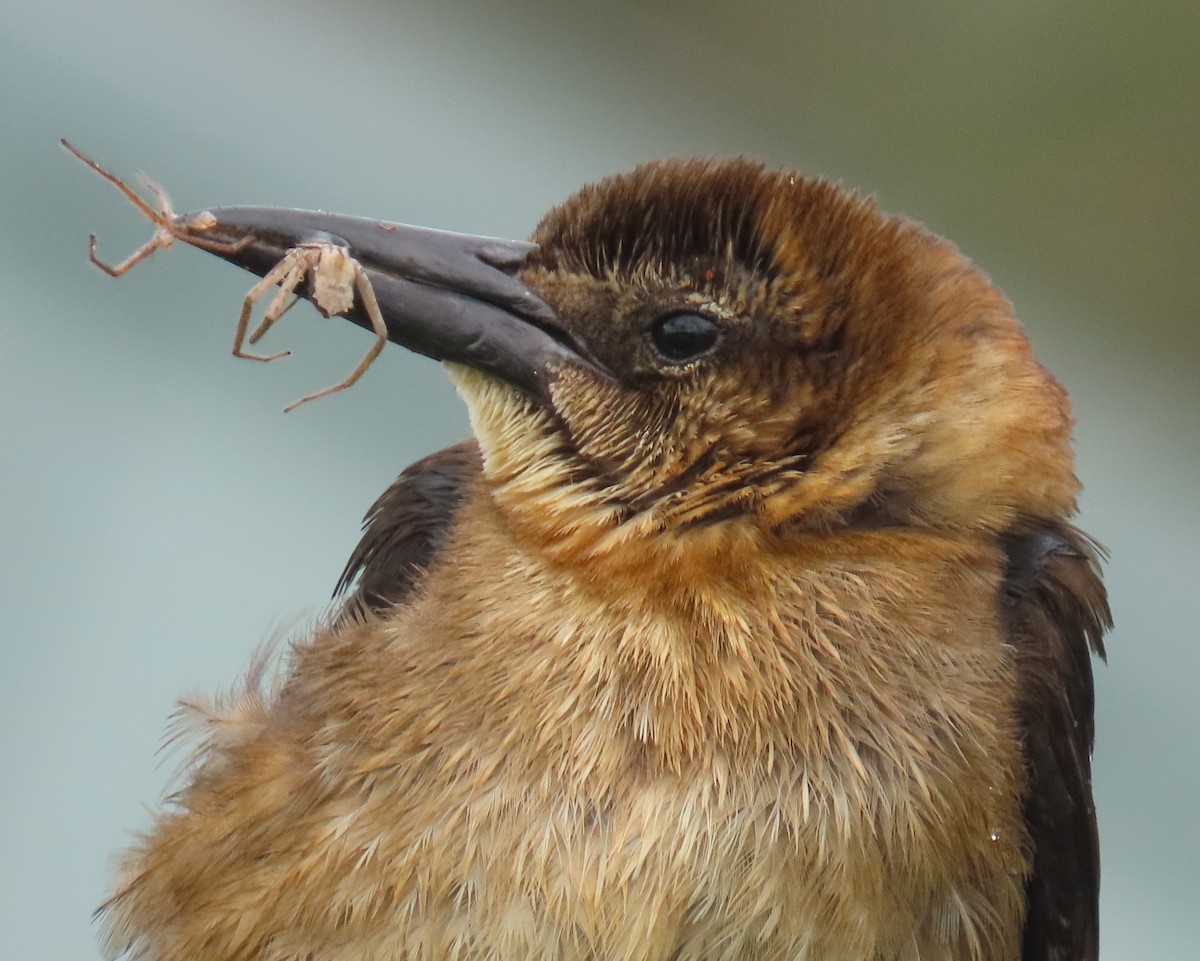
(683,337)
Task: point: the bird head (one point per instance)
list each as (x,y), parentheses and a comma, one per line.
(701,356)
(763,356)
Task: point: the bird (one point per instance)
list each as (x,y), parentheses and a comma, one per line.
(750,623)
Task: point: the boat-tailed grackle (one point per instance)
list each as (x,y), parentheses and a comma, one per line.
(750,625)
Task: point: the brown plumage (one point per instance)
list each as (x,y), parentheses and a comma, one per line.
(762,635)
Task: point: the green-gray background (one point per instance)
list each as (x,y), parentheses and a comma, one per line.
(161,516)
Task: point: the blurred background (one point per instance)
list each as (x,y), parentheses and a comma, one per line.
(161,516)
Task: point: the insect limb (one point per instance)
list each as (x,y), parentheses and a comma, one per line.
(366,292)
(287,273)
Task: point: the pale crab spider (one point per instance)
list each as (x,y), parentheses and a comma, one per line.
(335,275)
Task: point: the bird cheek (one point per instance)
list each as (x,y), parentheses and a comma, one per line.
(597,416)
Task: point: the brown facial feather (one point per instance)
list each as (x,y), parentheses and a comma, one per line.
(865,368)
(778,654)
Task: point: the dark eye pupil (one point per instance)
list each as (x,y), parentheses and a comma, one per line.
(681,337)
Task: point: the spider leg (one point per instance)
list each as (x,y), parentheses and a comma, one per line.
(285,272)
(301,264)
(161,240)
(365,291)
(169,225)
(183,230)
(165,209)
(263,327)
(122,186)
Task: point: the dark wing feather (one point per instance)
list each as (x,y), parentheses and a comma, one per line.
(404,529)
(1056,612)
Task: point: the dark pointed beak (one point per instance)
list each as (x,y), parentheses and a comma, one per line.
(452,297)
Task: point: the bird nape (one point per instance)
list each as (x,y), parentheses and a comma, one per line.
(750,624)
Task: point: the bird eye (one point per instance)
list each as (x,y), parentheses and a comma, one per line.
(684,336)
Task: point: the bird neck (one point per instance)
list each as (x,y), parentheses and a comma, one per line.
(756,662)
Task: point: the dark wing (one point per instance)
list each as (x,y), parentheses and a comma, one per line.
(1056,612)
(404,529)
